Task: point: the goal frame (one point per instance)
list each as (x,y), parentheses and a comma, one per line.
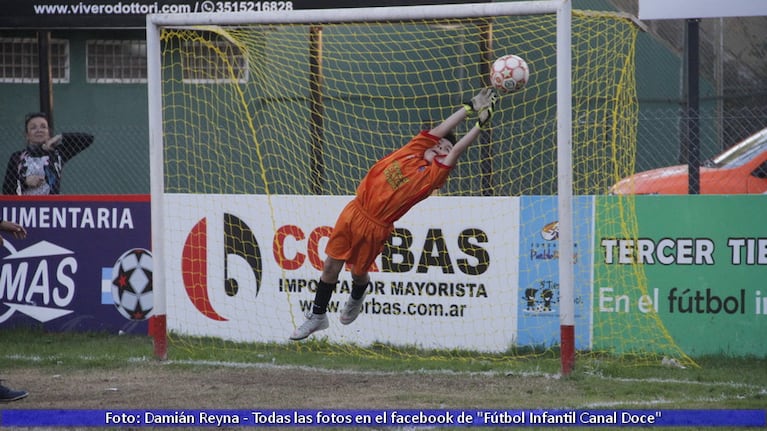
(563,11)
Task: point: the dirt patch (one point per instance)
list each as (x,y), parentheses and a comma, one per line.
(156,385)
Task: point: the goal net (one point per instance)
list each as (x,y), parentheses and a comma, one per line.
(263,125)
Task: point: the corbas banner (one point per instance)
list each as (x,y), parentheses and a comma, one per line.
(60,275)
(245,268)
(46,14)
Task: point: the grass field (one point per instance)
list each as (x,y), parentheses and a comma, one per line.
(101,371)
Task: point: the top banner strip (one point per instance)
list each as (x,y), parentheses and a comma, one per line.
(72,14)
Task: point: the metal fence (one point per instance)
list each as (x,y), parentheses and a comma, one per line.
(663,130)
(118,161)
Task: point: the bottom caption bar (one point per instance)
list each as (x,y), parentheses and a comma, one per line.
(391,417)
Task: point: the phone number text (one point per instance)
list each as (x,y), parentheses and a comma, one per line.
(245,6)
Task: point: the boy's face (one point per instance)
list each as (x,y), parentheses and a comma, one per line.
(441,148)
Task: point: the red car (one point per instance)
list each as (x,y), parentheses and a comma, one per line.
(741,169)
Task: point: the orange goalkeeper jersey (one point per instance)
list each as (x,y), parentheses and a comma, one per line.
(402,179)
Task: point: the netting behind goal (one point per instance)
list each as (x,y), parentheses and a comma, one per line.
(268,128)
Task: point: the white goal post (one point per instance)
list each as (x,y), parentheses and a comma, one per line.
(562,8)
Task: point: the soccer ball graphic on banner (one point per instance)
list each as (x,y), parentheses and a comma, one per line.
(509,73)
(132,284)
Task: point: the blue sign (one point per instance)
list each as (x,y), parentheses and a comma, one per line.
(84,266)
(539,305)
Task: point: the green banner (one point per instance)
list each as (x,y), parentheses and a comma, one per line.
(689,273)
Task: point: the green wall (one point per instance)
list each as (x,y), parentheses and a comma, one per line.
(118,161)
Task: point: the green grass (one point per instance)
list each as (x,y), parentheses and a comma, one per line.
(719,382)
(101,350)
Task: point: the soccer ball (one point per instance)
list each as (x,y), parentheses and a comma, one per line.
(509,74)
(132,284)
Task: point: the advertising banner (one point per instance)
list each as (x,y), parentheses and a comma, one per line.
(539,288)
(701,284)
(60,276)
(448,279)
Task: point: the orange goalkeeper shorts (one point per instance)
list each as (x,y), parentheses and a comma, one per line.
(357,238)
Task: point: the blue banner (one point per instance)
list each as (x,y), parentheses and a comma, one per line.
(64,275)
(390,417)
(539,305)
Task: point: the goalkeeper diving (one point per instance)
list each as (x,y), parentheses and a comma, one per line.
(390,189)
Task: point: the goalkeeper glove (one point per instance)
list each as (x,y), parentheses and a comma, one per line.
(482,100)
(487,113)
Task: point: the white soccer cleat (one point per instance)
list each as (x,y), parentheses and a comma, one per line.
(352,309)
(314,323)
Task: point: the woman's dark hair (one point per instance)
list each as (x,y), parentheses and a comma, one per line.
(31,115)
